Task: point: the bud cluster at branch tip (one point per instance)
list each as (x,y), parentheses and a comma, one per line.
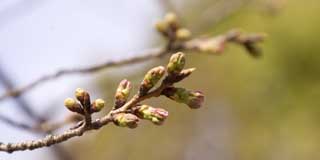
(122,93)
(155,115)
(126,120)
(132,110)
(169,27)
(84,103)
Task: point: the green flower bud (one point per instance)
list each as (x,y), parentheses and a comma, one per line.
(194,99)
(183,34)
(83,97)
(176,63)
(97,105)
(122,93)
(73,106)
(126,120)
(151,79)
(155,115)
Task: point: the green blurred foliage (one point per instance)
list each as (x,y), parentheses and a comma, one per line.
(255,109)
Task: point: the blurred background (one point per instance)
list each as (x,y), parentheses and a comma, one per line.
(262,109)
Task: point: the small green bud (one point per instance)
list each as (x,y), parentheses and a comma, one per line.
(155,115)
(122,93)
(151,79)
(83,97)
(183,34)
(72,105)
(126,120)
(176,63)
(97,105)
(194,99)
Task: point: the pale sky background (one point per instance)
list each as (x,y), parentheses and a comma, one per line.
(34,34)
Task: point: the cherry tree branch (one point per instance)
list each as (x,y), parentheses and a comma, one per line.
(86,125)
(127,112)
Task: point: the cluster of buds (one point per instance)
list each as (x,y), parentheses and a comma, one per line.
(175,68)
(170,28)
(131,113)
(176,73)
(83,103)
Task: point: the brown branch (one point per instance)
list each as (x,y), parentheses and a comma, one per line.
(175,73)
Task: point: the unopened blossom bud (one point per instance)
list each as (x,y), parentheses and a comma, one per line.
(83,97)
(194,99)
(97,105)
(155,115)
(72,105)
(151,79)
(122,93)
(183,34)
(176,63)
(126,120)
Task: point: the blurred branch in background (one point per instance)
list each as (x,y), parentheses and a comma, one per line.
(21,103)
(40,126)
